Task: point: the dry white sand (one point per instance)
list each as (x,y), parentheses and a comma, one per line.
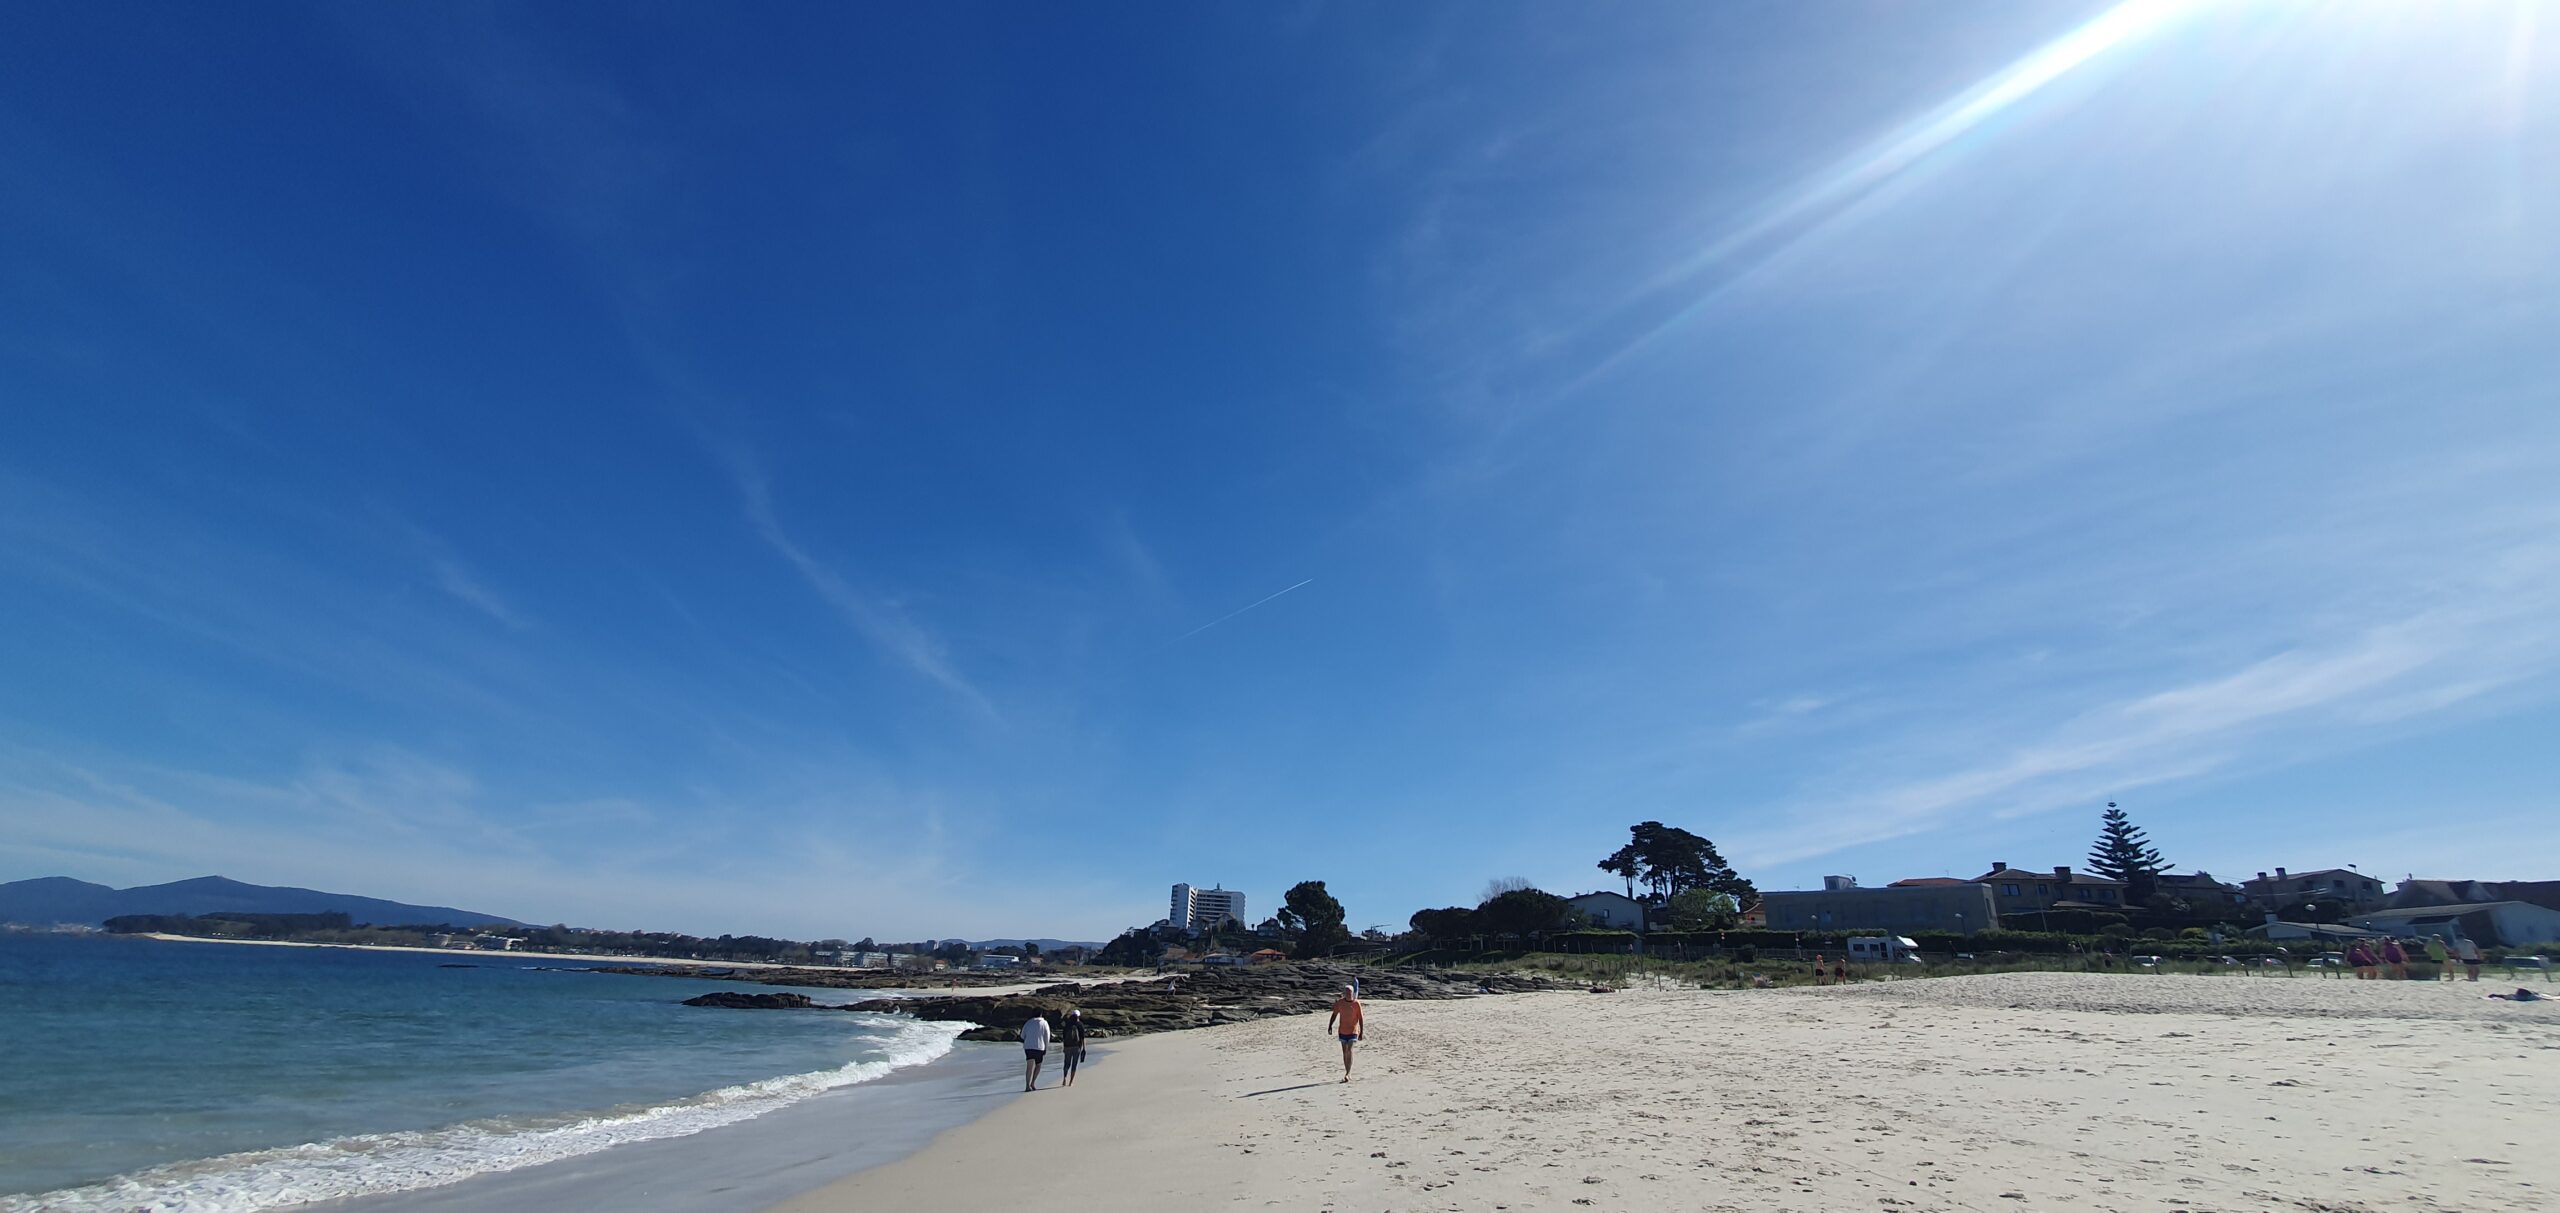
(2013,1092)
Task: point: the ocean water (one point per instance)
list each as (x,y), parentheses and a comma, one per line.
(214,1078)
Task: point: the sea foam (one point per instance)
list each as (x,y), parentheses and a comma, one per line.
(376,1163)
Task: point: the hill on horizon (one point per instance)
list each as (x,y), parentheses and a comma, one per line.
(47,900)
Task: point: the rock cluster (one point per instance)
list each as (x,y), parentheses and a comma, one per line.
(1193,1000)
(820,979)
(751,1002)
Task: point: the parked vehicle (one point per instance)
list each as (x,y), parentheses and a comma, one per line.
(1883,949)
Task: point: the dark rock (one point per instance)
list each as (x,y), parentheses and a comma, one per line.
(822,979)
(1213,996)
(751,1002)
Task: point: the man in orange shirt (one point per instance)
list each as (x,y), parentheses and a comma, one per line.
(1345,1022)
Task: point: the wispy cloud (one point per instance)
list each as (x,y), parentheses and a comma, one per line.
(2280,708)
(454,578)
(876,620)
(1242,609)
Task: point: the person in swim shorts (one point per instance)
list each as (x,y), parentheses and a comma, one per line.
(1035,1049)
(1346,1023)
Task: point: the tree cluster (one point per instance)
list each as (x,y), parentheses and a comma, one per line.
(229,924)
(1508,910)
(1313,918)
(1669,861)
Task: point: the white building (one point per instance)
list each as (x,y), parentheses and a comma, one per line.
(1611,911)
(2498,923)
(1197,909)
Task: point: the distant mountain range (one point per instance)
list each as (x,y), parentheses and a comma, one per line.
(48,900)
(1046,945)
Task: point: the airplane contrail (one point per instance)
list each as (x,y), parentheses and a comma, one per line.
(1238,611)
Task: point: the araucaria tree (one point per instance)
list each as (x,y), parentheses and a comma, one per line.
(2122,853)
(1669,861)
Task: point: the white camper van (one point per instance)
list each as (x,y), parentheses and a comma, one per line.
(1883,949)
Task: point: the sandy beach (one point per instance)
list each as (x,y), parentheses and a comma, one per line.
(2009,1092)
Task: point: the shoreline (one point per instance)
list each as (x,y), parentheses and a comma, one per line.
(918,989)
(2112,1092)
(742,1167)
(388,947)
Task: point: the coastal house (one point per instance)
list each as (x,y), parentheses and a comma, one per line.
(998,960)
(2414,893)
(495,943)
(1610,911)
(1962,906)
(2018,891)
(2200,890)
(2286,890)
(2509,924)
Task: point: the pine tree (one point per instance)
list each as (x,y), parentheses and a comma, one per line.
(2123,853)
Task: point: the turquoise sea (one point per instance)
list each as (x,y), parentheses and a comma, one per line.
(140,1073)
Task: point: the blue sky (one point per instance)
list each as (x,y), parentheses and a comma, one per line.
(669,468)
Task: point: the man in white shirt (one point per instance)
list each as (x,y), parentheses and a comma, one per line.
(1035,1049)
(2470,954)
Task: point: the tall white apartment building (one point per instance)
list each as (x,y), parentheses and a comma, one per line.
(1198,909)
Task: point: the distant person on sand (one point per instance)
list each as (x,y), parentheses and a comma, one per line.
(1821,974)
(2397,957)
(1345,1023)
(2360,959)
(2441,957)
(2470,954)
(1071,1044)
(1035,1049)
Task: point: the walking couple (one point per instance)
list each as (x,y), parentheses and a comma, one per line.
(1036,1038)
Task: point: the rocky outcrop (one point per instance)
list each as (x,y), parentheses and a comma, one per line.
(822,979)
(1193,1000)
(752,1002)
